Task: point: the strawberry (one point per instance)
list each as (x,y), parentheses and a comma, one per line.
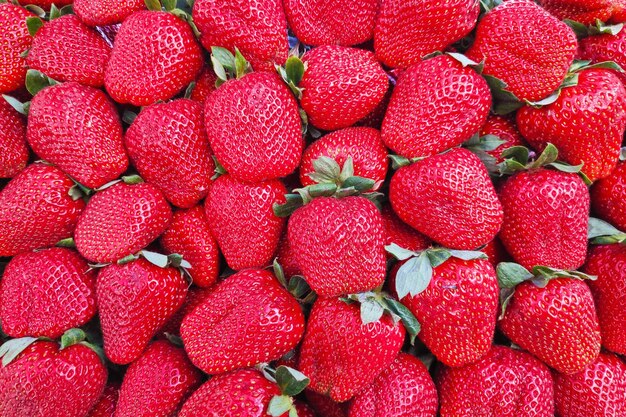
(437,104)
(495,252)
(325,406)
(400,233)
(205,85)
(608,194)
(167,144)
(105,407)
(120,221)
(506,130)
(403,389)
(331,23)
(605,47)
(46,4)
(406,31)
(189,235)
(450,190)
(14,40)
(525,47)
(157,383)
(586,122)
(106,12)
(154,57)
(246,320)
(68,50)
(505,382)
(13,150)
(340,86)
(78,129)
(286,257)
(195,297)
(582,11)
(36,210)
(45,293)
(258,30)
(135,300)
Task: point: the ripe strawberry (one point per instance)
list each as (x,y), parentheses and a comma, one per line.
(105,407)
(437,104)
(195,297)
(135,300)
(78,129)
(400,233)
(586,122)
(505,129)
(120,221)
(44,294)
(340,86)
(325,406)
(286,257)
(248,319)
(608,194)
(525,47)
(258,30)
(505,383)
(106,12)
(167,144)
(331,23)
(582,11)
(14,40)
(495,252)
(450,190)
(607,47)
(68,50)
(406,31)
(36,210)
(205,85)
(403,389)
(253,126)
(46,4)
(13,150)
(157,383)
(154,57)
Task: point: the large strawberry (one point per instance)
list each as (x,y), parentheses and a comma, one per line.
(13,150)
(14,41)
(406,31)
(167,144)
(106,12)
(105,407)
(586,12)
(608,196)
(154,57)
(437,104)
(36,210)
(605,47)
(340,86)
(78,129)
(525,47)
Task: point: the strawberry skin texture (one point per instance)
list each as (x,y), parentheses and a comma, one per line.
(437,104)
(246,320)
(46,381)
(406,31)
(608,196)
(157,383)
(155,56)
(189,235)
(341,85)
(557,324)
(13,150)
(504,383)
(582,11)
(505,129)
(167,144)
(606,47)
(450,190)
(46,4)
(586,123)
(195,297)
(496,252)
(402,390)
(106,12)
(362,144)
(325,406)
(205,85)
(526,47)
(545,219)
(286,256)
(106,404)
(14,40)
(36,210)
(66,49)
(332,263)
(253,126)
(121,220)
(45,293)
(78,129)
(135,300)
(400,233)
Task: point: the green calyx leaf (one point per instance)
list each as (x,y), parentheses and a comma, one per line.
(162,261)
(279,273)
(603,233)
(580,65)
(410,322)
(154,5)
(219,169)
(546,101)
(132,179)
(543,275)
(290,381)
(66,243)
(292,74)
(12,348)
(300,289)
(129,117)
(20,107)
(189,89)
(169,5)
(504,102)
(37,81)
(467,62)
(228,65)
(54,12)
(399,161)
(599,28)
(33,23)
(72,337)
(280,405)
(485,143)
(517,158)
(511,274)
(36,10)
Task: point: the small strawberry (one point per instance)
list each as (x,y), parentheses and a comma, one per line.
(14,41)
(105,407)
(586,12)
(504,129)
(286,257)
(400,233)
(106,12)
(13,150)
(205,85)
(608,195)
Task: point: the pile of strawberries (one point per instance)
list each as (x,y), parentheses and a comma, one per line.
(312,208)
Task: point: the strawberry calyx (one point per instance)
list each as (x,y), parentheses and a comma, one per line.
(66,243)
(34,23)
(35,82)
(603,233)
(296,285)
(599,28)
(292,73)
(291,382)
(12,348)
(481,145)
(228,66)
(78,190)
(162,261)
(17,105)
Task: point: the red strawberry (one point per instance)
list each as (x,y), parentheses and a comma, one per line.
(78,129)
(607,47)
(340,86)
(400,233)
(258,29)
(154,57)
(248,319)
(135,300)
(105,407)
(608,195)
(253,126)
(496,252)
(190,236)
(44,294)
(36,210)
(195,297)
(205,85)
(449,198)
(13,150)
(325,406)
(167,144)
(504,383)
(157,383)
(582,11)
(46,4)
(106,12)
(525,47)
(286,257)
(14,40)
(506,130)
(403,389)
(68,50)
(437,104)
(120,221)
(242,221)
(406,31)
(331,23)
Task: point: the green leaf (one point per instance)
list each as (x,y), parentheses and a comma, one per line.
(298,287)
(506,295)
(360,184)
(294,69)
(468,255)
(327,170)
(154,5)
(504,102)
(15,103)
(490,142)
(242,67)
(437,256)
(54,12)
(36,10)
(72,337)
(579,29)
(565,167)
(578,64)
(622,153)
(399,253)
(66,243)
(609,29)
(519,154)
(347,170)
(218,68)
(465,61)
(398,161)
(177,261)
(12,348)
(291,381)
(279,273)
(129,117)
(132,179)
(511,274)
(371,311)
(154,258)
(169,5)
(546,101)
(126,259)
(293,202)
(606,65)
(279,405)
(37,81)
(33,24)
(548,156)
(189,89)
(410,322)
(65,10)
(414,276)
(224,57)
